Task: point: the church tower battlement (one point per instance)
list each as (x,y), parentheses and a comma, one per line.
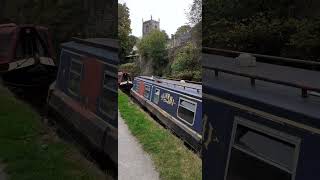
(150,25)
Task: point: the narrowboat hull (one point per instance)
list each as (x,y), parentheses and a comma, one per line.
(126,86)
(102,136)
(29,72)
(185,133)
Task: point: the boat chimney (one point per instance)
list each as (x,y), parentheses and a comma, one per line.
(246,60)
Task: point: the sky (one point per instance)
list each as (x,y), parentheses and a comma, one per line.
(172,13)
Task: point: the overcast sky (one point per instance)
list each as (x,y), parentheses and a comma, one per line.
(172,13)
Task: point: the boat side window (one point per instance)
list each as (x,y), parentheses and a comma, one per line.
(136,85)
(156,96)
(5,39)
(108,102)
(147,91)
(75,77)
(187,110)
(274,152)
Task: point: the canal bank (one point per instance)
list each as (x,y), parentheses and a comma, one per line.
(3,175)
(31,150)
(134,162)
(171,158)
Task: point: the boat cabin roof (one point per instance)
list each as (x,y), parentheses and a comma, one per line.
(176,85)
(12,35)
(294,89)
(103,48)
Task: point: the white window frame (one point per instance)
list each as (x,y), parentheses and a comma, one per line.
(74,72)
(194,115)
(144,93)
(137,84)
(155,90)
(106,73)
(261,128)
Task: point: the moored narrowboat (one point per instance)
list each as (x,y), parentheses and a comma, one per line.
(261,120)
(177,104)
(85,92)
(125,81)
(26,51)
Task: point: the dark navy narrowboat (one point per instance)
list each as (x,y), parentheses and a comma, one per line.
(261,120)
(26,50)
(177,104)
(85,92)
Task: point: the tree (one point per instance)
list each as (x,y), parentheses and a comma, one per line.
(133,40)
(186,64)
(287,28)
(124,31)
(183,29)
(152,47)
(167,37)
(195,13)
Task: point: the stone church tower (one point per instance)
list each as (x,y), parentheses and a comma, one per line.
(149,26)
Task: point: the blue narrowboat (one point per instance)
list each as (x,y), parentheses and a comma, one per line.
(261,119)
(85,92)
(177,104)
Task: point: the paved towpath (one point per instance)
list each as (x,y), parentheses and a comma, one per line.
(2,173)
(134,163)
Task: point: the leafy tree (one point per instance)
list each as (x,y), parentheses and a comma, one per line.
(133,40)
(195,13)
(287,28)
(182,29)
(186,64)
(167,37)
(152,47)
(124,30)
(131,68)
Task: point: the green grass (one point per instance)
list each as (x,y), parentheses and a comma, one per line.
(31,151)
(172,159)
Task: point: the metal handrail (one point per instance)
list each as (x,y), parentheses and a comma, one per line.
(174,84)
(265,57)
(304,89)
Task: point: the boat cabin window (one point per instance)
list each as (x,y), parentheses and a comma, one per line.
(156,96)
(5,41)
(147,89)
(187,110)
(108,102)
(75,77)
(259,152)
(136,85)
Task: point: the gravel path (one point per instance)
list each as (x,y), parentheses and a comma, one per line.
(2,173)
(134,163)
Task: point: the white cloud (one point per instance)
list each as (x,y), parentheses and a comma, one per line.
(172,13)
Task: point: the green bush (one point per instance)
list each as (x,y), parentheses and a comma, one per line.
(130,68)
(186,64)
(152,47)
(281,28)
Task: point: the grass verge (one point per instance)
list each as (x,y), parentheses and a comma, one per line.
(31,151)
(172,159)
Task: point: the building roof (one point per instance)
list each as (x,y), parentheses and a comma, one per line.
(151,20)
